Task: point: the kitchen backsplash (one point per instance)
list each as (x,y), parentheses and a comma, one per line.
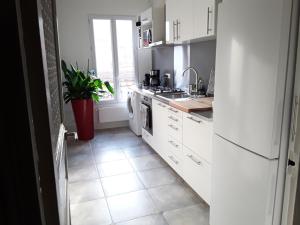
(162,59)
(203,57)
(175,59)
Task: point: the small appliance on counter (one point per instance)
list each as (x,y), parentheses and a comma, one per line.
(154,78)
(166,80)
(146,81)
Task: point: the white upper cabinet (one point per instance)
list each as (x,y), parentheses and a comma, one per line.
(204,18)
(189,19)
(171,20)
(185,20)
(152,30)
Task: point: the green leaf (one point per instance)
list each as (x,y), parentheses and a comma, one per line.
(109,87)
(63,66)
(98,83)
(74,71)
(95,97)
(74,81)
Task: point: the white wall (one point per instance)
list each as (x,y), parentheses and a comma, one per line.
(74,33)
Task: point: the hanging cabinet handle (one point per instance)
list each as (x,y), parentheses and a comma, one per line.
(178,31)
(173,110)
(209,11)
(174,144)
(174,160)
(198,162)
(174,27)
(191,118)
(172,118)
(173,127)
(161,105)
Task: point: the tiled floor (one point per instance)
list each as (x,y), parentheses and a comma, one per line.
(118,179)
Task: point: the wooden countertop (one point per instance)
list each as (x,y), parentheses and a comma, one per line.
(186,105)
(192,105)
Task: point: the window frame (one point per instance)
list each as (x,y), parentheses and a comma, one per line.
(115,59)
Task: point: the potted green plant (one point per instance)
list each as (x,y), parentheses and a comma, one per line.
(82,89)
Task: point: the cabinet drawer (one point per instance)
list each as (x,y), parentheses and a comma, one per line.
(176,119)
(174,161)
(159,104)
(174,111)
(197,173)
(197,135)
(175,130)
(174,146)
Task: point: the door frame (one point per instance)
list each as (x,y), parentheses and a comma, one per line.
(291,195)
(32,41)
(291,205)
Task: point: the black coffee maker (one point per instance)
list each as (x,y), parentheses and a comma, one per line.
(154,78)
(146,81)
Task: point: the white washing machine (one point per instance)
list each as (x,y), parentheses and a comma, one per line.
(133,106)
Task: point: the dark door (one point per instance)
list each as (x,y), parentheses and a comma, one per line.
(36,178)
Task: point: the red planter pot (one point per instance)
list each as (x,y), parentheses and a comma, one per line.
(84,117)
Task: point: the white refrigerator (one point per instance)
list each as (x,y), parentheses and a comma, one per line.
(251,63)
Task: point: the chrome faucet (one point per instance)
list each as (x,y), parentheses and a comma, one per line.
(197,76)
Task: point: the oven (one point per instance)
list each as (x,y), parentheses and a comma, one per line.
(146,113)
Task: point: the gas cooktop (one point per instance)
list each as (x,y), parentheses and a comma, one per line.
(160,89)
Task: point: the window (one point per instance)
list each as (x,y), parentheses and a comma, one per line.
(114,58)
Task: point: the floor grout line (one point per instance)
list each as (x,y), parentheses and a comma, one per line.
(108,208)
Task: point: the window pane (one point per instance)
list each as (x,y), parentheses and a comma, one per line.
(104,52)
(125,56)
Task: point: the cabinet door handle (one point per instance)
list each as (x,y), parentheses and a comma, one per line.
(161,105)
(198,162)
(174,144)
(173,110)
(174,29)
(209,11)
(172,118)
(173,127)
(178,31)
(191,118)
(174,160)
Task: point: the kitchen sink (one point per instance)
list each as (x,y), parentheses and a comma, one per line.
(178,96)
(174,95)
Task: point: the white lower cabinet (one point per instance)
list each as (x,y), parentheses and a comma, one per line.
(174,160)
(174,146)
(197,173)
(184,142)
(197,135)
(159,118)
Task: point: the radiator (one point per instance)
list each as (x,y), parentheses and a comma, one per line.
(112,113)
